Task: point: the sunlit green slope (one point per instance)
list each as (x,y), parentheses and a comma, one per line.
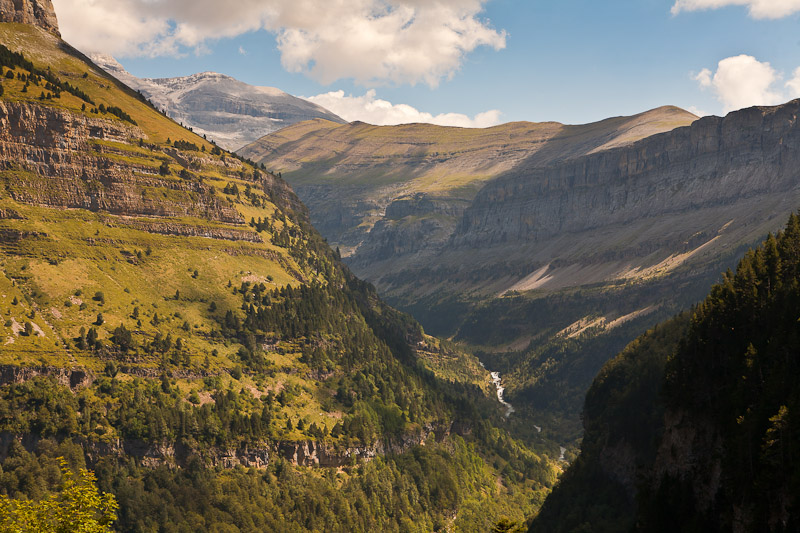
(171,318)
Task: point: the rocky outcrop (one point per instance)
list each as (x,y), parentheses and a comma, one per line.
(714,162)
(150,454)
(421,204)
(36,12)
(50,153)
(229,111)
(314,453)
(410,224)
(178,454)
(73,378)
(153,454)
(185,230)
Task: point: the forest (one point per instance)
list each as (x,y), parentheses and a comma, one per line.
(704,409)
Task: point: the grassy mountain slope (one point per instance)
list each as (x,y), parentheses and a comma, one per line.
(694,426)
(348,174)
(171,318)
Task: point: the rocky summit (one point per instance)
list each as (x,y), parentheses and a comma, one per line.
(36,12)
(222,108)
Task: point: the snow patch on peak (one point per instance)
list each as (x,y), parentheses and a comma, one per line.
(227,110)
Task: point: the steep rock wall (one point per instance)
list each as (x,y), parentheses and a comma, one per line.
(36,12)
(49,152)
(713,162)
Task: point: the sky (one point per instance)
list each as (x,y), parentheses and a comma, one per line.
(470,63)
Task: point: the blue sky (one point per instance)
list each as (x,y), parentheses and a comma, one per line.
(571,61)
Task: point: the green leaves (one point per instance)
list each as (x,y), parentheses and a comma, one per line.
(78,507)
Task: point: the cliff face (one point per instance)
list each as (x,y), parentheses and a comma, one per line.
(590,200)
(36,12)
(638,212)
(714,162)
(349,175)
(58,159)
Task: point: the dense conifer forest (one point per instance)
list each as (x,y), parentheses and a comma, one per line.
(694,426)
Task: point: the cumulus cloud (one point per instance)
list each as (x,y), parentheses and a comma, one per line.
(793,85)
(370,41)
(697,111)
(743,81)
(760,9)
(368,108)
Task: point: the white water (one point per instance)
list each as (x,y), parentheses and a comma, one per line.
(498,384)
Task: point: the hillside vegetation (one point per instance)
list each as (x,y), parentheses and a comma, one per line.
(694,427)
(172,320)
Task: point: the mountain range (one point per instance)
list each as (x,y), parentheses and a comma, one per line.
(613,354)
(358,178)
(172,321)
(219,107)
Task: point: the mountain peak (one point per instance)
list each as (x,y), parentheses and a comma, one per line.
(36,12)
(229,111)
(195,78)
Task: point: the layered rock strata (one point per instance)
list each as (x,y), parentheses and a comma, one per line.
(50,155)
(36,12)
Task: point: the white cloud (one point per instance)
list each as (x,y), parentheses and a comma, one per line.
(242,51)
(370,41)
(704,78)
(697,111)
(743,81)
(760,9)
(793,85)
(368,108)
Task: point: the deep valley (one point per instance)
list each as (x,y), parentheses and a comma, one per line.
(346,327)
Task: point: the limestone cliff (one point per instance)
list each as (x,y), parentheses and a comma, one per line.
(632,212)
(353,176)
(58,160)
(714,162)
(36,12)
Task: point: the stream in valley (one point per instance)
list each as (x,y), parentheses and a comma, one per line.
(498,385)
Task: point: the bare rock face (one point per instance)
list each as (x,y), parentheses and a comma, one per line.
(36,12)
(57,165)
(714,162)
(229,111)
(685,197)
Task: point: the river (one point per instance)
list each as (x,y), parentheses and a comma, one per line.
(498,384)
